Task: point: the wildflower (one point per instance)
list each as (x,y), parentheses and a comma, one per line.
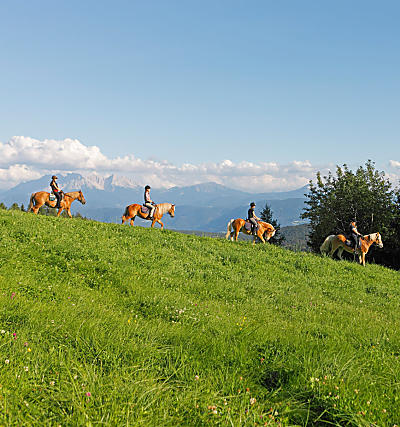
(262,360)
(247,389)
(25,344)
(26,368)
(52,382)
(13,295)
(356,391)
(28,349)
(384,411)
(253,401)
(369,402)
(75,377)
(196,377)
(88,394)
(3,331)
(6,361)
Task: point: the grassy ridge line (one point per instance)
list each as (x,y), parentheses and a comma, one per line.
(138,326)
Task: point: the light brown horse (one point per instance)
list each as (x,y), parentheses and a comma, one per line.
(235,226)
(134,210)
(41,198)
(339,243)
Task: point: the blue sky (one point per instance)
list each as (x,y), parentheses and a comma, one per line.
(199,82)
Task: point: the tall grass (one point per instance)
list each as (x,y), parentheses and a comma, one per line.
(112,325)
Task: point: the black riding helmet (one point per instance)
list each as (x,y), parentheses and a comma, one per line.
(252,204)
(147,187)
(54,177)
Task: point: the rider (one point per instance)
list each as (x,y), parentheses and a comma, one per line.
(56,191)
(355,235)
(253,218)
(148,202)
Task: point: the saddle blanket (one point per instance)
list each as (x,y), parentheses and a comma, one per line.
(52,197)
(247,226)
(144,209)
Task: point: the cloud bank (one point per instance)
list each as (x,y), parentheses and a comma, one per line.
(23,159)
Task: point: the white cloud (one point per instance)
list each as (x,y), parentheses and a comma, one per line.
(23,158)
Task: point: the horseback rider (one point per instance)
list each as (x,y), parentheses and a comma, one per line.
(253,218)
(355,235)
(56,191)
(148,202)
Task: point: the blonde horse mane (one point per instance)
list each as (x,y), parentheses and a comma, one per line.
(163,208)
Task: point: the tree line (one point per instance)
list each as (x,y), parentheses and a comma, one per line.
(44,210)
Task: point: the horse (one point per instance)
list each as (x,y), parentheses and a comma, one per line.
(131,211)
(41,198)
(235,226)
(339,243)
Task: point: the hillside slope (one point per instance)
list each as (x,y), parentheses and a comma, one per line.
(107,324)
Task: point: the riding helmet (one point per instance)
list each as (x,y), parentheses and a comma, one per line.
(54,177)
(252,204)
(147,187)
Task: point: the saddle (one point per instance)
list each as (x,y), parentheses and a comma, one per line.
(53,198)
(248,225)
(144,209)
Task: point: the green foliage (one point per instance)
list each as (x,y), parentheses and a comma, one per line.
(365,195)
(267,216)
(2,206)
(14,207)
(117,325)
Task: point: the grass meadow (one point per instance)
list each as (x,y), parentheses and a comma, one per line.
(103,324)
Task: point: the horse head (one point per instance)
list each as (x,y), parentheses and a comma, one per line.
(81,198)
(269,231)
(171,210)
(378,240)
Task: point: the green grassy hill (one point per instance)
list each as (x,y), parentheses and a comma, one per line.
(112,325)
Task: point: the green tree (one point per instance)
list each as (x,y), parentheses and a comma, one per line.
(3,206)
(22,207)
(365,195)
(266,215)
(14,207)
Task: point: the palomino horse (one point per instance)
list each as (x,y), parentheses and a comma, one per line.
(41,198)
(134,210)
(339,243)
(235,226)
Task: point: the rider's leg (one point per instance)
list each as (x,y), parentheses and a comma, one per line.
(58,196)
(153,208)
(253,226)
(150,207)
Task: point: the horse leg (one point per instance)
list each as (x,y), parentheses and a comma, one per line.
(132,220)
(237,231)
(36,207)
(260,236)
(59,212)
(162,225)
(339,253)
(69,213)
(231,236)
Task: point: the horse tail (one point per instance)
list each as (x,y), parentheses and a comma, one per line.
(31,202)
(229,228)
(326,247)
(125,214)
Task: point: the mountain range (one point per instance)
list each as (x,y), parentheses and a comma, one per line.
(206,207)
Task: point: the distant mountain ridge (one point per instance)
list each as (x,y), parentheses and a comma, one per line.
(207,206)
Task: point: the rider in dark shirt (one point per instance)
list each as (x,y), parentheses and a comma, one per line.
(56,191)
(253,218)
(355,235)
